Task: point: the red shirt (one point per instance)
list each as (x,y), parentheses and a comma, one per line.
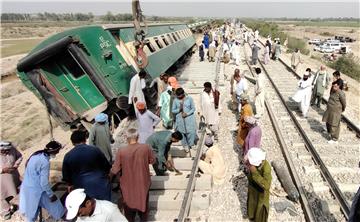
(133,163)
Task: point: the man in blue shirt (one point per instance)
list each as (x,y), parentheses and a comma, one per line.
(35,191)
(86,167)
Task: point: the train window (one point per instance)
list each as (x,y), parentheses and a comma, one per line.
(158,43)
(71,66)
(177,34)
(169,37)
(175,38)
(164,40)
(150,46)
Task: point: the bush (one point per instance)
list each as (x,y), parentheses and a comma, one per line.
(352,31)
(326,34)
(295,43)
(348,65)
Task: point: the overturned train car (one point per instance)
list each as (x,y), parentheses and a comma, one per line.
(83,71)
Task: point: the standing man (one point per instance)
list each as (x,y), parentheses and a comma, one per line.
(259,93)
(267,52)
(233,81)
(100,135)
(211,108)
(84,208)
(295,59)
(259,185)
(336,77)
(10,159)
(332,116)
(212,51)
(147,121)
(133,163)
(86,167)
(253,138)
(303,95)
(160,143)
(254,53)
(277,50)
(321,82)
(161,84)
(137,84)
(35,190)
(241,88)
(235,52)
(202,51)
(246,110)
(184,109)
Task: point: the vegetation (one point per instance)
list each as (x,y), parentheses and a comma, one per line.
(347,64)
(272,29)
(326,34)
(295,43)
(19,17)
(14,47)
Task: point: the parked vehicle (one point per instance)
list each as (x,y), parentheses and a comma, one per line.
(330,46)
(344,39)
(314,42)
(345,49)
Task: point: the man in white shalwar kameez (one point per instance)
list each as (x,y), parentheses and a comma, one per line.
(137,84)
(211,108)
(259,93)
(241,87)
(303,95)
(235,51)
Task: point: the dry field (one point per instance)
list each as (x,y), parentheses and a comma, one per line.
(318,32)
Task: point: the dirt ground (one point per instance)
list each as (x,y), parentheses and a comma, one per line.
(313,32)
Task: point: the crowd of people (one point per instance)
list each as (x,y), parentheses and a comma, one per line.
(98,159)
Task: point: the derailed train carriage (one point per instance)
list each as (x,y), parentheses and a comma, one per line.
(84,71)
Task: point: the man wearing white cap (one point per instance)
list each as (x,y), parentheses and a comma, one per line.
(10,159)
(85,208)
(259,185)
(100,135)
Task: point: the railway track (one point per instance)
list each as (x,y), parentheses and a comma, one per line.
(326,176)
(184,202)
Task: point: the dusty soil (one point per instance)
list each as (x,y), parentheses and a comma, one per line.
(312,32)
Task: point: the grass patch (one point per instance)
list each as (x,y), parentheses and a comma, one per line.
(347,64)
(327,23)
(14,47)
(315,57)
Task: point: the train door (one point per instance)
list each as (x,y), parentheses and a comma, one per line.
(72,82)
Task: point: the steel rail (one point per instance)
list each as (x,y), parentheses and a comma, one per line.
(309,212)
(186,203)
(316,157)
(352,126)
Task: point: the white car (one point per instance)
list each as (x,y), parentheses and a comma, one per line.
(329,47)
(314,42)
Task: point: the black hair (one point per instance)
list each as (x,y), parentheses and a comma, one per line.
(296,50)
(336,73)
(50,146)
(78,136)
(84,202)
(257,70)
(308,70)
(337,82)
(179,91)
(131,113)
(207,84)
(142,73)
(177,135)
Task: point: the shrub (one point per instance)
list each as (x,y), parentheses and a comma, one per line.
(295,43)
(326,34)
(347,64)
(352,31)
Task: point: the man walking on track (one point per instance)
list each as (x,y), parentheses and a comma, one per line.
(211,108)
(259,93)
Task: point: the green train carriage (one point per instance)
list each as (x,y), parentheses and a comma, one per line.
(83,71)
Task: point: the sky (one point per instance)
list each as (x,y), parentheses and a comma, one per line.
(197,8)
